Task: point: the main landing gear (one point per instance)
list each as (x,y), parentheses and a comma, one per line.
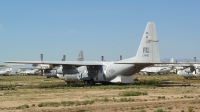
(89,82)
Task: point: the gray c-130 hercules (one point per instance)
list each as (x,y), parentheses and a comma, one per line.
(117,72)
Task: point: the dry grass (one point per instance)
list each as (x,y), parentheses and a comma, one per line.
(37,93)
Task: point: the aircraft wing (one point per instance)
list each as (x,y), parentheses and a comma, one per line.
(86,63)
(76,63)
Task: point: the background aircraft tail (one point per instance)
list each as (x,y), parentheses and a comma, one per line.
(80,56)
(172,60)
(148,49)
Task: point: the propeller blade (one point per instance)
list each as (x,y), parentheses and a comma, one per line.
(196,71)
(63,58)
(41,57)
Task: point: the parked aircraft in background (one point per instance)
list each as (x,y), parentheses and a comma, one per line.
(6,69)
(9,65)
(28,71)
(115,72)
(190,72)
(36,69)
(80,56)
(155,70)
(158,69)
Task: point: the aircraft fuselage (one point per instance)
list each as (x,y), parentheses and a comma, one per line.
(101,73)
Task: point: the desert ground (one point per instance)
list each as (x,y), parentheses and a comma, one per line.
(155,93)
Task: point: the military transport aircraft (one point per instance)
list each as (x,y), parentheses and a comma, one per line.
(121,71)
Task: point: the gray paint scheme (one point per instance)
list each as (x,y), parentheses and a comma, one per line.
(97,71)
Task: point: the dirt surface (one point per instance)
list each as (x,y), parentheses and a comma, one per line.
(26,93)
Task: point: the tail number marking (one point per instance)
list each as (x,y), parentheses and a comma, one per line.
(145,55)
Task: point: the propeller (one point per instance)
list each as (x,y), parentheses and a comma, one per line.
(196,71)
(41,57)
(193,69)
(63,58)
(102,58)
(176,71)
(41,69)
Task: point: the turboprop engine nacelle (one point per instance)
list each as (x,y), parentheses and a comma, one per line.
(45,66)
(192,68)
(67,70)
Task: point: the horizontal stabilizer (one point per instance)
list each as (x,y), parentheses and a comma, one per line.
(148,49)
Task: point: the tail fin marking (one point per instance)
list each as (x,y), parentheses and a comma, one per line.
(148,49)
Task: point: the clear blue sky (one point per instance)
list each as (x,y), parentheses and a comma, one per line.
(98,27)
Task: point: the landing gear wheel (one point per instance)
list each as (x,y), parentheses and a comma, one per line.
(67,82)
(85,82)
(91,82)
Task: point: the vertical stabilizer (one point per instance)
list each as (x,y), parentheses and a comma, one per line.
(172,60)
(148,49)
(80,56)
